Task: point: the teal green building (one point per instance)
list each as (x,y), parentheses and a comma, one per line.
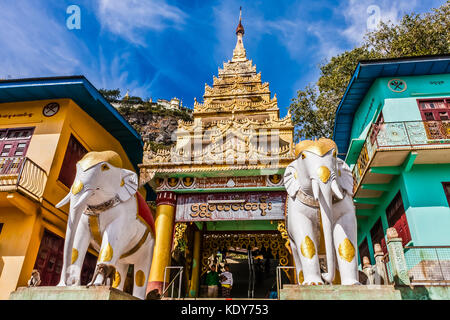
(392,128)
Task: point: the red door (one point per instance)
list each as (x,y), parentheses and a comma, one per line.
(50,259)
(396,217)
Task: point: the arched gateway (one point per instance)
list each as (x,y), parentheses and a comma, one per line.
(220,188)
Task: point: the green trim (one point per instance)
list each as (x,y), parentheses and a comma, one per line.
(367,200)
(364,212)
(354,150)
(387,170)
(376,186)
(407,165)
(229,190)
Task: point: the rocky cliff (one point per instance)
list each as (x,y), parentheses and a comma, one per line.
(155,125)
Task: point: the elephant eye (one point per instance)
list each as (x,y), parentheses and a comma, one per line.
(105,167)
(303,156)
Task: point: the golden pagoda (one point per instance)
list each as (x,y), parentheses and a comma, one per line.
(222,180)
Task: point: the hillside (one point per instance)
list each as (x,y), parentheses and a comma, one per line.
(154,123)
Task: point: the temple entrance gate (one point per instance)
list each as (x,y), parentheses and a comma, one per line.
(223,178)
(252,257)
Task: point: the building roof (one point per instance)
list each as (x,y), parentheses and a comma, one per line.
(80,90)
(365,74)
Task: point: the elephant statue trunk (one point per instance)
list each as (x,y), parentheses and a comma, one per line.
(323,193)
(318,181)
(78,202)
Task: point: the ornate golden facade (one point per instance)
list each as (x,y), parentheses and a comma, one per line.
(236,127)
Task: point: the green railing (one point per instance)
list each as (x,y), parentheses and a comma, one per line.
(428,264)
(22,174)
(400,135)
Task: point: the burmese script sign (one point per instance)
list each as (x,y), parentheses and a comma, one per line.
(231,206)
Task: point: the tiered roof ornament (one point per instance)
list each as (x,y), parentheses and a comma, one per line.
(235,122)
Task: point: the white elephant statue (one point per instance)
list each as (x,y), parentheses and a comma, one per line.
(107,212)
(320,190)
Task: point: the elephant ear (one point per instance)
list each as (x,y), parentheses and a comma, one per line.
(128,185)
(291,182)
(345,177)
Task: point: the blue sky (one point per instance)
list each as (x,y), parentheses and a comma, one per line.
(163,48)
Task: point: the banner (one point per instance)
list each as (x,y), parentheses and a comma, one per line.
(231,206)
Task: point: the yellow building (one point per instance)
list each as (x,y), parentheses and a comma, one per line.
(46,126)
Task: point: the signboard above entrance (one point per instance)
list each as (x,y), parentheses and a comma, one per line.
(231,206)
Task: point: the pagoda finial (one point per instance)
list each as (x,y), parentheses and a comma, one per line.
(240,28)
(239,51)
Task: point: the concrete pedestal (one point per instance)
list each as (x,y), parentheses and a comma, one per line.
(70,293)
(339,292)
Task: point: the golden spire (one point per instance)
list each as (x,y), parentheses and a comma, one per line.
(239,51)
(240,28)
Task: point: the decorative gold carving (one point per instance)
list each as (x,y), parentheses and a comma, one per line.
(284,234)
(275,178)
(323,173)
(92,158)
(95,229)
(301,278)
(117,280)
(205,210)
(346,250)
(307,248)
(172,182)
(74,255)
(319,147)
(188,181)
(106,253)
(139,278)
(77,187)
(221,241)
(180,229)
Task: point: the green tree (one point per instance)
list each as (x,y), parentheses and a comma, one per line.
(111,95)
(313,110)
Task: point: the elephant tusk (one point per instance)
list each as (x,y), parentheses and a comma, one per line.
(336,190)
(315,188)
(63,201)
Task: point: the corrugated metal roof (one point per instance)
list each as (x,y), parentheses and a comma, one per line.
(363,77)
(80,90)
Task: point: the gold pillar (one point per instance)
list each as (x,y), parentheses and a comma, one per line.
(164,219)
(196,264)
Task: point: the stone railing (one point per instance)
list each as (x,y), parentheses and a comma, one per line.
(22,174)
(400,135)
(411,265)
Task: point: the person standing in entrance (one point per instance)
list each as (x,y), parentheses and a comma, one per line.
(212,281)
(226,280)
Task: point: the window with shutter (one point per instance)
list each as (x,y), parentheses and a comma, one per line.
(396,217)
(377,235)
(446,186)
(74,152)
(364,250)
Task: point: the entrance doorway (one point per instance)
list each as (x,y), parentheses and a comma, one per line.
(252,259)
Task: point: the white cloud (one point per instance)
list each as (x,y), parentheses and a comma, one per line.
(35,44)
(129,19)
(356,15)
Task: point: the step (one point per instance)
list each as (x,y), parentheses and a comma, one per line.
(340,292)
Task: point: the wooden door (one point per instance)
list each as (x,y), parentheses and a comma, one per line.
(50,259)
(396,217)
